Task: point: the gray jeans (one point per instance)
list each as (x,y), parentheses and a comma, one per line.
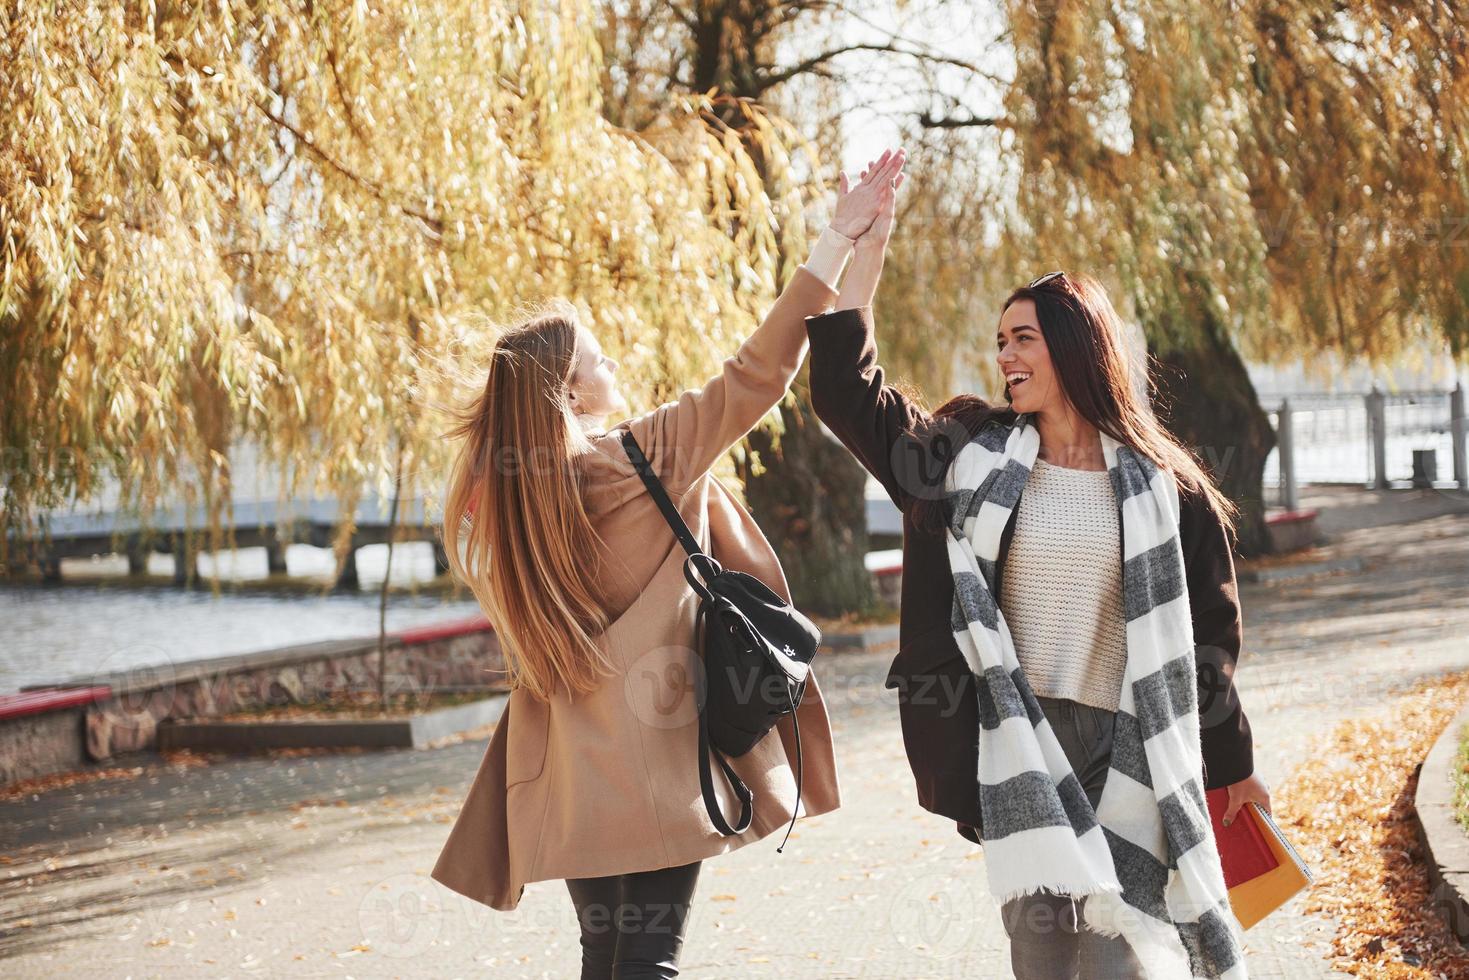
(1048,940)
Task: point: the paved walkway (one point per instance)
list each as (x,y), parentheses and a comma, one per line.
(318,866)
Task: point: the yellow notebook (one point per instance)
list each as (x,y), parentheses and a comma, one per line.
(1261,869)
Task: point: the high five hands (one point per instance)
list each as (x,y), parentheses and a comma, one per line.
(866,210)
(866,214)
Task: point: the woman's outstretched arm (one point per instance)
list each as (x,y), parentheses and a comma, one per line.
(685,437)
(874,420)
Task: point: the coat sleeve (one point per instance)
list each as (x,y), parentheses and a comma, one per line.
(1213,594)
(874,420)
(684,438)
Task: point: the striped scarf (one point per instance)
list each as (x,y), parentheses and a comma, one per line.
(1146,855)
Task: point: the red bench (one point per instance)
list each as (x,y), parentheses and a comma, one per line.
(1292,530)
(50,699)
(442,631)
(1290,516)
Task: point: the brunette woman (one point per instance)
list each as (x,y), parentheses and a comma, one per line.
(1076,637)
(592,774)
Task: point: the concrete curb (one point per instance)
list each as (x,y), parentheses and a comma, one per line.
(144,677)
(438,657)
(1445,842)
(412,732)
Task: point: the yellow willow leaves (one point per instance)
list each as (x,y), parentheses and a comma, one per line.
(271,224)
(1300,170)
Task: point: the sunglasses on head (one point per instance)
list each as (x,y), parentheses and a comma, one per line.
(1044,279)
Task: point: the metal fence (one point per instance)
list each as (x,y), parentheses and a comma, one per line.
(1412,438)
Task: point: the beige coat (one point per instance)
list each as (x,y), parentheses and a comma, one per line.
(609,783)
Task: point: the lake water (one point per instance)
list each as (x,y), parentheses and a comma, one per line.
(61,632)
(55,633)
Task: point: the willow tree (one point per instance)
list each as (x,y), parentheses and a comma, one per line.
(301,226)
(786,57)
(1264,178)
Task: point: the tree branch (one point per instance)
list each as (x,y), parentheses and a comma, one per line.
(769,81)
(789,11)
(928,120)
(684,16)
(434,224)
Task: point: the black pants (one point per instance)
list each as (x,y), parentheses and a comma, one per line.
(632,925)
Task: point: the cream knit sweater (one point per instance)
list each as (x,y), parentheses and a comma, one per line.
(1061,593)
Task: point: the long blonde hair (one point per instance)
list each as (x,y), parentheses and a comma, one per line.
(514,503)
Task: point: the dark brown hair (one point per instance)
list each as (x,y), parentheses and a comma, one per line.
(1084,336)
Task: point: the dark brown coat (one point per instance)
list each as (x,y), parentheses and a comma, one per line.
(902,447)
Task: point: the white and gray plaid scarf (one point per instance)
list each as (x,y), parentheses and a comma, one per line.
(1146,855)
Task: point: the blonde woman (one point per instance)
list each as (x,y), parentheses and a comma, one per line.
(592,774)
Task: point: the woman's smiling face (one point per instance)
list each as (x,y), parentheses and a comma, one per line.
(1024,360)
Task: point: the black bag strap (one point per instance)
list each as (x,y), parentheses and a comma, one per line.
(660,496)
(800,768)
(691,545)
(706,776)
(709,567)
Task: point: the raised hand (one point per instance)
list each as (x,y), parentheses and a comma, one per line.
(884,177)
(877,233)
(858,206)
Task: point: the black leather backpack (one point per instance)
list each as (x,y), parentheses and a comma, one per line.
(757,650)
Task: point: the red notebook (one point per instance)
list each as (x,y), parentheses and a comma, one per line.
(1261,869)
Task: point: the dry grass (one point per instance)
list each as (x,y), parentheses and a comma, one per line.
(1461,782)
(1350,813)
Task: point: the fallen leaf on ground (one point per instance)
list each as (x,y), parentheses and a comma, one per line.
(1349,812)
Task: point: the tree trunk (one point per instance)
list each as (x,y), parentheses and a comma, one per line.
(811,504)
(1206,399)
(810,500)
